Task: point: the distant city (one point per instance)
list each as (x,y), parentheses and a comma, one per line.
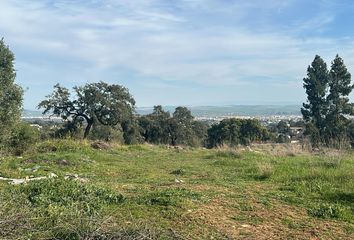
(265,113)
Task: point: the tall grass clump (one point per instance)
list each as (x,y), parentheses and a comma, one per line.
(55,209)
(63,145)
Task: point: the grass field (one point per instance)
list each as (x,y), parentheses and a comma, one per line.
(152,192)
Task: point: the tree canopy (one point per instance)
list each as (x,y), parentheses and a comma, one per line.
(10,93)
(235,131)
(94,102)
(160,127)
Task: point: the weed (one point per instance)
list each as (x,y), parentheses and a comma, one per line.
(178,171)
(291,223)
(169,197)
(63,145)
(264,171)
(65,193)
(227,154)
(332,162)
(325,211)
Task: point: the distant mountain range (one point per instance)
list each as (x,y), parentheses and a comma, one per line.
(215,111)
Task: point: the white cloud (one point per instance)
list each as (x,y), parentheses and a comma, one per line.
(184,41)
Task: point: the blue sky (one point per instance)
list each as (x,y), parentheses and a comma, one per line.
(187,52)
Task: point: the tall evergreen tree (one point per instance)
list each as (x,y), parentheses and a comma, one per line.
(316,84)
(10,93)
(340,87)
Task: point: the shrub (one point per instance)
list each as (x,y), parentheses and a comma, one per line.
(107,133)
(23,137)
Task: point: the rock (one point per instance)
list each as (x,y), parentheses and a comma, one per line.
(100,145)
(17,181)
(75,177)
(245,225)
(63,162)
(34,169)
(52,175)
(179,181)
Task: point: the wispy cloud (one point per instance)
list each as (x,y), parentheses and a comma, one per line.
(209,43)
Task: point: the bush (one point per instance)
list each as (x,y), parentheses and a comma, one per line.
(107,133)
(23,137)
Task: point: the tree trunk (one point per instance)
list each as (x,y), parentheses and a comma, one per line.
(88,127)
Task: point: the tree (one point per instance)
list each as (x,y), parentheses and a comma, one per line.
(95,102)
(154,126)
(10,93)
(226,132)
(251,130)
(316,84)
(160,128)
(181,127)
(351,132)
(236,131)
(283,127)
(338,101)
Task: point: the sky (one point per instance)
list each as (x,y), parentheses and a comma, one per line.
(182,52)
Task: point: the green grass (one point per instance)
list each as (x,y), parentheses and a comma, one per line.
(151,192)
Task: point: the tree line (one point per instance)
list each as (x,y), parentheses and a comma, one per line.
(107,111)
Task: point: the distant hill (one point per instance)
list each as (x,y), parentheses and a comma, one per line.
(31,113)
(214,111)
(235,110)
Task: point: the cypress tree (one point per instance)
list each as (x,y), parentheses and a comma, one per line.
(315,109)
(340,87)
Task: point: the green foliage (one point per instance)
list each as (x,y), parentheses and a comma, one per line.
(23,137)
(155,126)
(316,85)
(180,129)
(328,104)
(94,103)
(10,93)
(131,132)
(58,209)
(72,129)
(179,171)
(63,145)
(340,87)
(227,154)
(325,211)
(214,185)
(234,131)
(107,133)
(169,197)
(283,138)
(66,193)
(351,132)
